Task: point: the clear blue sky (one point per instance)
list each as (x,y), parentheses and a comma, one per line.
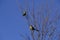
(12,22)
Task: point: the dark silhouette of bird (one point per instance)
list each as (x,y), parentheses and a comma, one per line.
(32,28)
(24,13)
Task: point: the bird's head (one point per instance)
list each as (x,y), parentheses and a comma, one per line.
(30,27)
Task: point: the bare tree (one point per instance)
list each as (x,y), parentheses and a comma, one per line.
(38,14)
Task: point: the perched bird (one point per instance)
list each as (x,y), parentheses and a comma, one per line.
(24,13)
(32,28)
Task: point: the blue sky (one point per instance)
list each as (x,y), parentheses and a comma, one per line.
(12,22)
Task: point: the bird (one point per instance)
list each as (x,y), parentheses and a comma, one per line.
(24,13)
(32,28)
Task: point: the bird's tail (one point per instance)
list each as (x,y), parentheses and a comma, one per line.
(37,30)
